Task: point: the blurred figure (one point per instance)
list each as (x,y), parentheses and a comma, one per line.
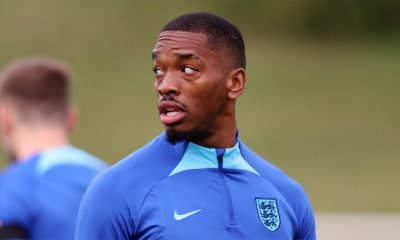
(41,190)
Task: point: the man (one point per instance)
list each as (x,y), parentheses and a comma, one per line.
(198,180)
(41,190)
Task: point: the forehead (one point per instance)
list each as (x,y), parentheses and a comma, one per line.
(180,42)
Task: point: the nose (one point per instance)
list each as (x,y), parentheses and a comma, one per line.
(168,85)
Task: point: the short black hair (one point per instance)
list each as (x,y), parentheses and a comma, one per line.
(220,32)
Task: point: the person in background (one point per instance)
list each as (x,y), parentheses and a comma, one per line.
(40,191)
(197,180)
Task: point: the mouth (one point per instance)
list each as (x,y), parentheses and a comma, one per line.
(171,112)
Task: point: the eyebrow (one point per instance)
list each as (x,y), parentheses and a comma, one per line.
(180,56)
(154,55)
(184,56)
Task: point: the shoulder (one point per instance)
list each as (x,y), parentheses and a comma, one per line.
(17,193)
(151,163)
(285,184)
(116,195)
(134,176)
(292,191)
(19,173)
(142,168)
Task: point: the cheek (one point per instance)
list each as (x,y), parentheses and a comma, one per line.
(206,94)
(208,103)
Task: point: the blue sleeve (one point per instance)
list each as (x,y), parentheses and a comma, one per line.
(15,202)
(306,220)
(104,213)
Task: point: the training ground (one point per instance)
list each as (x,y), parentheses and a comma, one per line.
(363,226)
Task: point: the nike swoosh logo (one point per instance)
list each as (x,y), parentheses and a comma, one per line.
(179,217)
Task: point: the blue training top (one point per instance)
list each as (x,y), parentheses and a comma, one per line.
(186,191)
(43,193)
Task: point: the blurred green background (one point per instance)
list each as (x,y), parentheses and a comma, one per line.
(322,100)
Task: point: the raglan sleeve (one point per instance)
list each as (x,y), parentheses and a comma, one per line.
(104,212)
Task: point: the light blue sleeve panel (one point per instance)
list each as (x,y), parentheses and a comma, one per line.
(67,155)
(103,213)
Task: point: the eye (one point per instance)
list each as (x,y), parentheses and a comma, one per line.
(188,70)
(158,72)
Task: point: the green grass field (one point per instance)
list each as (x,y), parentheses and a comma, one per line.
(325,110)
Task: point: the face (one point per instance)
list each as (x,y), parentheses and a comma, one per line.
(190,81)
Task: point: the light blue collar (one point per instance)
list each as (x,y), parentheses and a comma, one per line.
(199,157)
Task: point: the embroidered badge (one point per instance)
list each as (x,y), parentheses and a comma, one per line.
(268,212)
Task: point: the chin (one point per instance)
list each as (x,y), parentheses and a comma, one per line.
(174,135)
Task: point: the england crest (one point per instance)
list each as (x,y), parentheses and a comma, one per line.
(268,212)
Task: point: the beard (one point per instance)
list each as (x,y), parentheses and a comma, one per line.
(175,136)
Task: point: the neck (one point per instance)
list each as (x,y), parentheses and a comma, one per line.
(31,140)
(221,137)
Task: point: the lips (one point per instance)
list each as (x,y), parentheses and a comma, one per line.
(171,112)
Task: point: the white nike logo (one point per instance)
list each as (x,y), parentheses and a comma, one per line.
(179,217)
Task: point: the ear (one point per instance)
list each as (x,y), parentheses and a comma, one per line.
(5,119)
(236,83)
(72,118)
